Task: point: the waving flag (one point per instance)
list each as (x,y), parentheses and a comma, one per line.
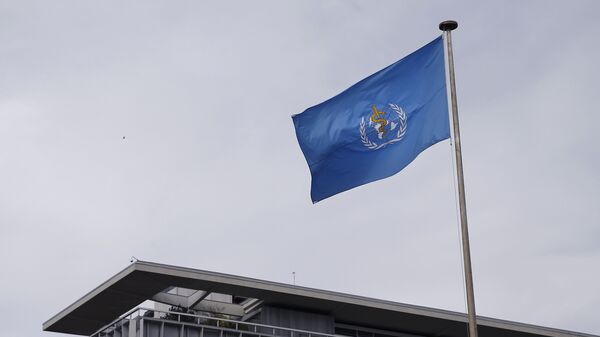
(378,126)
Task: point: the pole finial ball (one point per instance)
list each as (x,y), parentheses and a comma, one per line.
(448,25)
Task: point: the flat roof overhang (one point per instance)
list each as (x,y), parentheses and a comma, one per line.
(142,280)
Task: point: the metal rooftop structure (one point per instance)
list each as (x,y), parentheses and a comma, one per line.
(215,304)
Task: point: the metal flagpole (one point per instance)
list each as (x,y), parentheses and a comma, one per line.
(447,27)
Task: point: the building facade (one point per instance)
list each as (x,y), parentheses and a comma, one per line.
(156,300)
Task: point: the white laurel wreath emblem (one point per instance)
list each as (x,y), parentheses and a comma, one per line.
(401,130)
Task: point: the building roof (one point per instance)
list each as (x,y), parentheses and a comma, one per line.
(141,280)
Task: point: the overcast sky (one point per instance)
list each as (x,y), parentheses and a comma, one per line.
(210,175)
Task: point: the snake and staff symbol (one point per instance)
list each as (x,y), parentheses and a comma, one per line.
(378,117)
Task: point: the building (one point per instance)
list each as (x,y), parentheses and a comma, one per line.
(195,303)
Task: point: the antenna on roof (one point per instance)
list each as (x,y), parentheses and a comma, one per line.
(294,278)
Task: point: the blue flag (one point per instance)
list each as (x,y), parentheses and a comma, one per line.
(378,126)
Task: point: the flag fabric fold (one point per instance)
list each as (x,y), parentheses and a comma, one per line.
(378,126)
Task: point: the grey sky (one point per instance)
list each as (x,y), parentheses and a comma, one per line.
(210,174)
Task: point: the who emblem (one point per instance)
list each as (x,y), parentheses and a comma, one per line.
(389,130)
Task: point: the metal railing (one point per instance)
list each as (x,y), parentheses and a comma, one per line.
(204,321)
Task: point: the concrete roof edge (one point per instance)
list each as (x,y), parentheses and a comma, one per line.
(126,271)
(529,328)
(319,294)
(302,291)
(355,299)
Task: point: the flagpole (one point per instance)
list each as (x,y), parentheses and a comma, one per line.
(447,27)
